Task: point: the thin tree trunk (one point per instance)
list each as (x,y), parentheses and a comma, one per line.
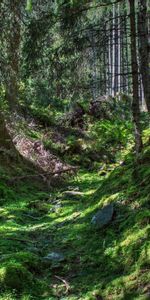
(113,53)
(109,62)
(143,50)
(105,60)
(119,50)
(116,52)
(13,45)
(93,64)
(127,61)
(135,102)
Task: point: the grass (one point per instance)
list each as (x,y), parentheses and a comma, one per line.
(109,264)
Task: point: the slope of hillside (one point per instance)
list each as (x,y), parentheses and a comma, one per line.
(36,224)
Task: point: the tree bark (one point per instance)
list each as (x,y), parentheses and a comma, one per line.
(144,50)
(109,61)
(113,53)
(134,64)
(119,50)
(13,47)
(5,139)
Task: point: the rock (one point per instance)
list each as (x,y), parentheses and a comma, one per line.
(72,188)
(73,195)
(55,208)
(55,257)
(33,249)
(122,163)
(38,206)
(103,216)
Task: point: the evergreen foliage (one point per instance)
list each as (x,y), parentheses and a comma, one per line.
(74,150)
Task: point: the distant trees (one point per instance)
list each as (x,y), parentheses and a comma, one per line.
(73,50)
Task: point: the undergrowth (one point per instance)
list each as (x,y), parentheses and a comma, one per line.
(111,263)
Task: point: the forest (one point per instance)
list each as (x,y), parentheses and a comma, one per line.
(74,149)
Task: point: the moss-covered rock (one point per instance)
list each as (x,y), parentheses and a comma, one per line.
(39,206)
(15,276)
(29,260)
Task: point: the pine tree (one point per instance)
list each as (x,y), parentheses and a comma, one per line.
(144,49)
(135,101)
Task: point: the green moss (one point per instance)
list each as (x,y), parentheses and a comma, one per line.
(15,276)
(112,263)
(29,260)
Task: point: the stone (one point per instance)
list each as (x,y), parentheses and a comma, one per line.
(55,208)
(103,216)
(72,188)
(72,195)
(33,249)
(55,257)
(122,163)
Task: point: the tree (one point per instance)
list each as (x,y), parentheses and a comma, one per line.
(11,36)
(144,50)
(5,139)
(134,64)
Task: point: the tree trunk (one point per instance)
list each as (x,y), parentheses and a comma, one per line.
(13,47)
(143,50)
(5,139)
(127,60)
(110,60)
(113,53)
(116,52)
(119,50)
(135,102)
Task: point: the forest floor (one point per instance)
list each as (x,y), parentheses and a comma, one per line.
(37,223)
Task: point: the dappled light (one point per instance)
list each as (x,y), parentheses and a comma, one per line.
(74,150)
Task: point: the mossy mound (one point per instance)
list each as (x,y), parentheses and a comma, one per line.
(29,261)
(26,259)
(15,276)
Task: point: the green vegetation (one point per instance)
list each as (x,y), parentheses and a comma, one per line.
(74,150)
(111,263)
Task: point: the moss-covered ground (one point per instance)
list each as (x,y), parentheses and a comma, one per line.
(111,263)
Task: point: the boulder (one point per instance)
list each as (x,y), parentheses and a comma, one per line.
(103,216)
(55,257)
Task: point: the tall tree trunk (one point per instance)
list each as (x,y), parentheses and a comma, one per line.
(109,60)
(119,50)
(13,45)
(113,53)
(93,64)
(127,60)
(105,59)
(116,52)
(135,102)
(144,50)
